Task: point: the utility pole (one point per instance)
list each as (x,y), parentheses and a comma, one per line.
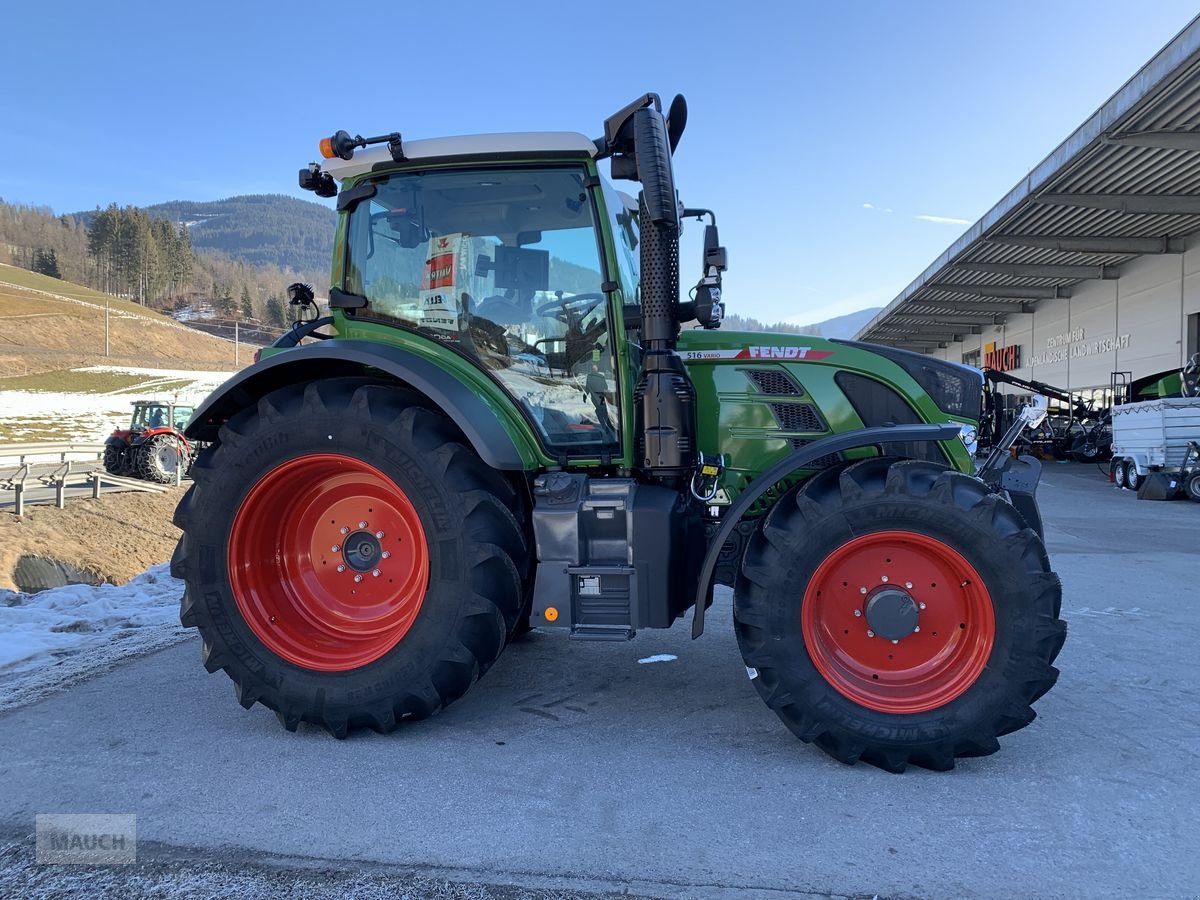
(236,361)
(106,328)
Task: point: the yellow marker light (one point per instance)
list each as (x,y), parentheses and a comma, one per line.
(551,614)
(326,147)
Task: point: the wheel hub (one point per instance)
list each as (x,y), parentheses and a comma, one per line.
(898,621)
(362,551)
(328,562)
(892,613)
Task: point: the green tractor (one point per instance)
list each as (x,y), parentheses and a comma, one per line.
(510,419)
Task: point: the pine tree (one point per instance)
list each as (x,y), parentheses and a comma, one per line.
(45,262)
(276,313)
(247,304)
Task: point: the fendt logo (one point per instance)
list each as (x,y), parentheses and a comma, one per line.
(786,353)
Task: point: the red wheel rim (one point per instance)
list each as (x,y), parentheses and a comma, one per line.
(914,673)
(328,562)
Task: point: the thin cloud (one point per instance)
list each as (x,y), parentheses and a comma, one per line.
(943,220)
(868,206)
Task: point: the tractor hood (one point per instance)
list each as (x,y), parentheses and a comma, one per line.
(953,389)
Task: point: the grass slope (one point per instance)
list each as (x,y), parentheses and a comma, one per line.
(48,325)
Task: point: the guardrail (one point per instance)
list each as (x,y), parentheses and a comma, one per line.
(52,465)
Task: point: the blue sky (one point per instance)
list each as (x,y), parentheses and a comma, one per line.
(842,145)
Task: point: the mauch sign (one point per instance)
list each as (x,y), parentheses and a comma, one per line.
(1004,359)
(88,839)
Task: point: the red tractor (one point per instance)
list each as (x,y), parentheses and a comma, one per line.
(153,447)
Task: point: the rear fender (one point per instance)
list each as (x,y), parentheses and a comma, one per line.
(495,443)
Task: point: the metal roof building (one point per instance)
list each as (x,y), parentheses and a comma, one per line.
(1109,213)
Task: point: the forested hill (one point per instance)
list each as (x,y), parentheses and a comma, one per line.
(259,229)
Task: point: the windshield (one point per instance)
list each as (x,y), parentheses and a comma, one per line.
(150,415)
(504,265)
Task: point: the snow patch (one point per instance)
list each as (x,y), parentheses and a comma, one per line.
(657,658)
(61,635)
(92,417)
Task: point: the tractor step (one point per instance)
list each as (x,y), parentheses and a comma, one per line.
(602,633)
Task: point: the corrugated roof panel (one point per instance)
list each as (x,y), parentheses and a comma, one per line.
(1164,94)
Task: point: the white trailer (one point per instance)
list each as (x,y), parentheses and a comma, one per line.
(1152,435)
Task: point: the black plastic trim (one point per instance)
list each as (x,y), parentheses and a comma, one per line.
(866,437)
(350,198)
(331,359)
(300,330)
(468,158)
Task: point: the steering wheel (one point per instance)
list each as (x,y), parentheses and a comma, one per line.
(566,308)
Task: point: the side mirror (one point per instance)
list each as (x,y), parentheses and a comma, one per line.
(709,309)
(714,253)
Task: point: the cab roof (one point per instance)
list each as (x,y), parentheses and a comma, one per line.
(476,146)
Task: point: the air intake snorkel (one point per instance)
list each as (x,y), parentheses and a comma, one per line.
(641,141)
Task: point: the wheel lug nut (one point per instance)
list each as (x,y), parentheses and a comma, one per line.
(379,534)
(375,573)
(857,613)
(870,633)
(908,585)
(883,578)
(894,641)
(362,524)
(358,578)
(386,554)
(921,605)
(341,568)
(916,628)
(336,547)
(862,590)
(344,530)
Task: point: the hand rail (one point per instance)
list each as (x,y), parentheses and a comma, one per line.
(57,473)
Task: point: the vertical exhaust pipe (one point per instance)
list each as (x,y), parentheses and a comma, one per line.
(665,397)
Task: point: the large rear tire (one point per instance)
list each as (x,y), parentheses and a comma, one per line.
(159,458)
(898,612)
(348,559)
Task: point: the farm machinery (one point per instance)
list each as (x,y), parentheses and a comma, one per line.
(153,447)
(511,418)
(1079,429)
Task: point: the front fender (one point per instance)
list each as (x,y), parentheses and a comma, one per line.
(865,437)
(500,446)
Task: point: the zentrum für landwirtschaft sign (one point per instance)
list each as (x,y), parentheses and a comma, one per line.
(86,838)
(1074,345)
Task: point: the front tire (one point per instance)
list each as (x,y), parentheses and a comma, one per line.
(898,612)
(1191,487)
(348,560)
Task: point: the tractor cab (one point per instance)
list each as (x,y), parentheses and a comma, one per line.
(152,415)
(518,255)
